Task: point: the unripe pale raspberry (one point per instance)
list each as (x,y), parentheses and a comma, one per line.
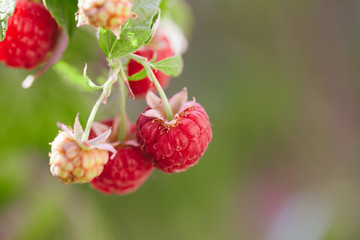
(72,164)
(159,47)
(75,161)
(125,173)
(176,145)
(108,14)
(31,35)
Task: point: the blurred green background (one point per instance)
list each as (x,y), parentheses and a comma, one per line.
(280,81)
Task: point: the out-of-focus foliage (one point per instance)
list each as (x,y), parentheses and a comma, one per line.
(180,12)
(63,11)
(280,82)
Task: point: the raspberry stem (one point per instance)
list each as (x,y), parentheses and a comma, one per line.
(152,77)
(122,128)
(147,65)
(105,93)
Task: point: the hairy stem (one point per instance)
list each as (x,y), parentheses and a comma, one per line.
(152,77)
(138,58)
(123,97)
(147,65)
(105,93)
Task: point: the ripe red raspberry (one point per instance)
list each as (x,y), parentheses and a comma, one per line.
(159,46)
(30,36)
(125,173)
(176,145)
(129,169)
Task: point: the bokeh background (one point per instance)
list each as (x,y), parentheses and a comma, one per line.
(280,81)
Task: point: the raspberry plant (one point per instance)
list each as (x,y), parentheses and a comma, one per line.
(143,44)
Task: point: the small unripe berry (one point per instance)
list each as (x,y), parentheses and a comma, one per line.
(75,161)
(108,14)
(72,164)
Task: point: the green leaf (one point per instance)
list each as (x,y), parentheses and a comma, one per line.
(72,75)
(135,33)
(64,13)
(138,76)
(6,10)
(155,23)
(172,66)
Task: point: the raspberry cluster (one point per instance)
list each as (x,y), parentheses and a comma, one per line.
(116,156)
(171,147)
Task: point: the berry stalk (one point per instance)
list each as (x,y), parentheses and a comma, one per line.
(105,93)
(121,82)
(147,65)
